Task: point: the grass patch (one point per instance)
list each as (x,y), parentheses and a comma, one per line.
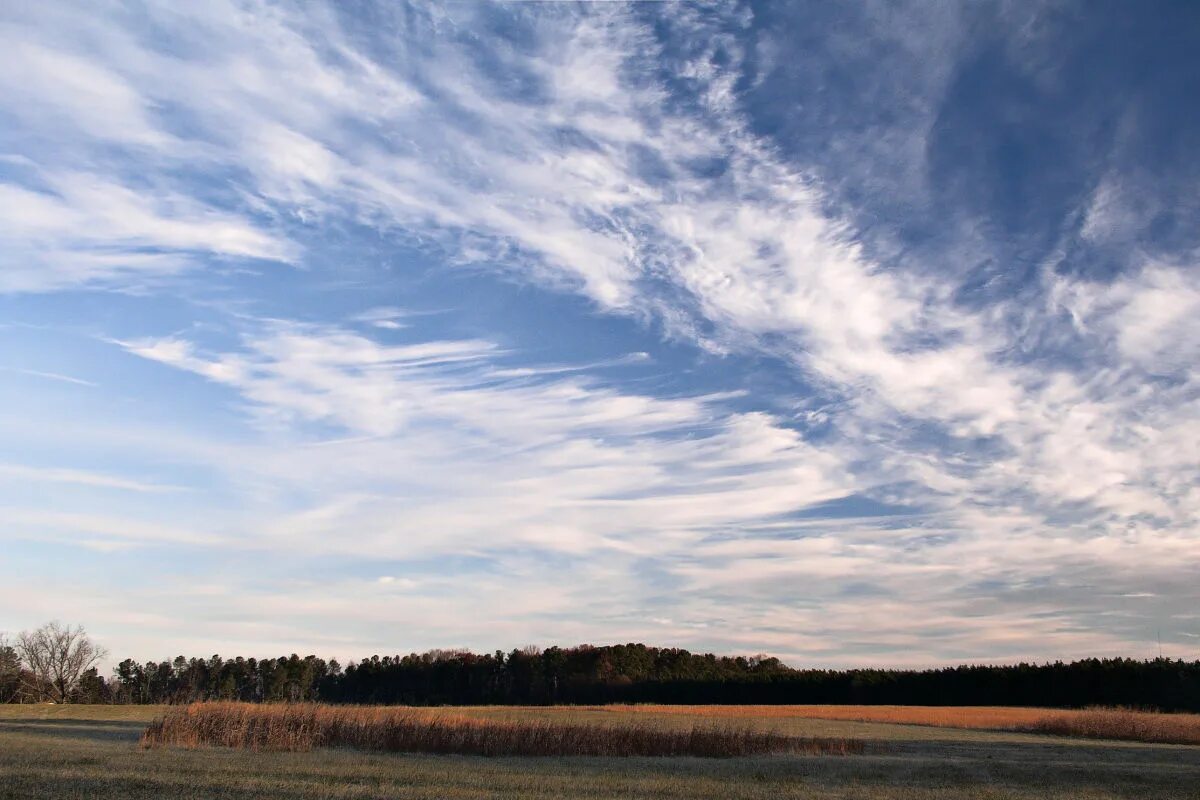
(303,727)
(1121,724)
(968,717)
(76,752)
(1090,723)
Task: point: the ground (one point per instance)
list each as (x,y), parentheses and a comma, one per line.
(85,752)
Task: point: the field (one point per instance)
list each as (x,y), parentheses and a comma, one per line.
(54,752)
(1092,723)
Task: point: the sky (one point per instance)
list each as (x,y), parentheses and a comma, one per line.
(852,333)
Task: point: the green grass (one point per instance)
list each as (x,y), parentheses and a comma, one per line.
(91,752)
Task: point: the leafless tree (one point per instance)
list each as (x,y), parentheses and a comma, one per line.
(55,656)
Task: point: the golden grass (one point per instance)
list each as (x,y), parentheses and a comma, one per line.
(1092,723)
(303,727)
(1123,724)
(983,717)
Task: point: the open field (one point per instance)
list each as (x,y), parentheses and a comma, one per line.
(998,717)
(47,753)
(1093,723)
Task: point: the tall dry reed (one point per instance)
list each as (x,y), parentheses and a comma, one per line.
(307,726)
(1121,723)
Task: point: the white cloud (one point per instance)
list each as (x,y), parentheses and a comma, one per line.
(47,88)
(517,473)
(83,478)
(556,461)
(99,530)
(85,228)
(1077,463)
(54,376)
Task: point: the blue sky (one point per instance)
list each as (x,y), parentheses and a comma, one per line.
(851,333)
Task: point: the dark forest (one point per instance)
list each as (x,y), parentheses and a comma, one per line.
(635,673)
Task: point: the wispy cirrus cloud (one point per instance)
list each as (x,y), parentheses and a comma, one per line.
(1045,431)
(84,478)
(84,228)
(540,445)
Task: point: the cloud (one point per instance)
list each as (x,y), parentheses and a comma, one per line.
(49,88)
(1047,431)
(82,477)
(86,229)
(559,461)
(688,491)
(53,376)
(100,531)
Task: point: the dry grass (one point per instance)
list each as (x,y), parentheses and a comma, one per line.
(77,752)
(1122,724)
(1092,723)
(302,727)
(980,717)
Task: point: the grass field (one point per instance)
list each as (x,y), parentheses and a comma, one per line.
(55,752)
(1094,723)
(301,727)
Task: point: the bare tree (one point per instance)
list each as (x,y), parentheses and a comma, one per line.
(55,657)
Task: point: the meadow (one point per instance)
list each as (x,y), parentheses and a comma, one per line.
(53,752)
(303,727)
(1092,723)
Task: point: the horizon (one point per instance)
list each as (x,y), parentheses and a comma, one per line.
(108,664)
(851,336)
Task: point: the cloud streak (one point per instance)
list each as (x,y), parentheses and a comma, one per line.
(1046,438)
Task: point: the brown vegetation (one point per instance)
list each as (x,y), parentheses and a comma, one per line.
(302,727)
(983,717)
(1119,723)
(70,752)
(1092,723)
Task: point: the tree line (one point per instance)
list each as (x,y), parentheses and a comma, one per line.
(60,664)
